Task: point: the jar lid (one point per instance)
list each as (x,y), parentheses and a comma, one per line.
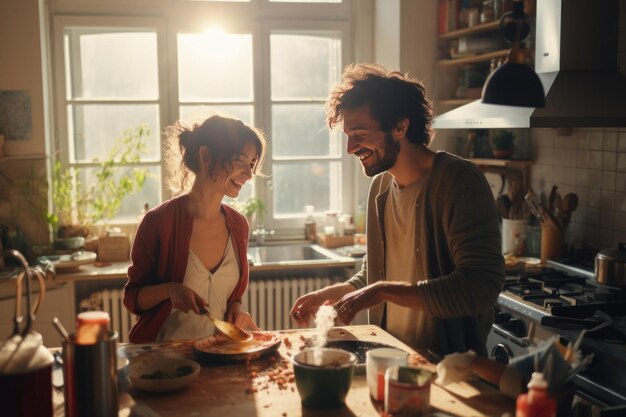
(613,254)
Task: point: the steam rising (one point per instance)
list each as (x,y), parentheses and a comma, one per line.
(324,321)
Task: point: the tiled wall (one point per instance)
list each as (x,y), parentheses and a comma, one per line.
(592,164)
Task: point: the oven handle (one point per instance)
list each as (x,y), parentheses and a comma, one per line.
(520,341)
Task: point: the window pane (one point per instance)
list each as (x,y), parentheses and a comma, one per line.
(300,130)
(243,112)
(298,184)
(95,127)
(214,66)
(107,63)
(132,204)
(304,66)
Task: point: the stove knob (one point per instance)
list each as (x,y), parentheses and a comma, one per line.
(502,353)
(517,327)
(502,318)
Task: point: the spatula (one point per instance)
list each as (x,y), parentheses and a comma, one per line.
(227,329)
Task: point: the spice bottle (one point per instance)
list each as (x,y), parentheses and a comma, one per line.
(536,403)
(92,327)
(310,227)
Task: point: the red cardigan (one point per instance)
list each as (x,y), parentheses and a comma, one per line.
(160,253)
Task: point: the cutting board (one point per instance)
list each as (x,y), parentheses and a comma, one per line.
(266,387)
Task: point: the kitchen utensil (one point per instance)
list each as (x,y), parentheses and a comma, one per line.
(219,350)
(568,204)
(532,204)
(227,329)
(90,377)
(57,325)
(25,363)
(610,266)
(323,386)
(552,198)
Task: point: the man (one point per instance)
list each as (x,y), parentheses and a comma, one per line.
(434,266)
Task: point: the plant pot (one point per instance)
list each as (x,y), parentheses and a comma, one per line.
(502,153)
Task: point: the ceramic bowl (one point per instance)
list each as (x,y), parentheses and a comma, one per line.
(164,374)
(324,386)
(69,243)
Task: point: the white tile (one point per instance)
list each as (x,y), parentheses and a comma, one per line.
(608,180)
(592,217)
(582,193)
(595,140)
(609,160)
(583,139)
(592,234)
(595,160)
(609,142)
(618,237)
(582,158)
(621,141)
(569,176)
(621,162)
(582,177)
(607,219)
(607,200)
(620,202)
(595,179)
(567,157)
(606,237)
(594,198)
(558,175)
(620,182)
(620,222)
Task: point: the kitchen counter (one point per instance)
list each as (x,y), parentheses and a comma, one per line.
(248,390)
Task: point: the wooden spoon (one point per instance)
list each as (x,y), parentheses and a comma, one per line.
(229,330)
(568,204)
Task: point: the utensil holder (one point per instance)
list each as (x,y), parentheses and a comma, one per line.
(90,378)
(552,242)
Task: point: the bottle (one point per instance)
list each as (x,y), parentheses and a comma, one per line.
(536,403)
(331,222)
(310,227)
(91,327)
(359,218)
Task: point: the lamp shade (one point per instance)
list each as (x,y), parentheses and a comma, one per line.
(513,84)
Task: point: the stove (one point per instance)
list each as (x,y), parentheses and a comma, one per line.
(560,300)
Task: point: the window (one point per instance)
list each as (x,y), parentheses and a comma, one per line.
(271,66)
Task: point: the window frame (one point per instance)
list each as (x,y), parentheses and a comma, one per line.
(258,17)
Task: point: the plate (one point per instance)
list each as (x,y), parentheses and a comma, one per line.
(69,262)
(218,349)
(164,374)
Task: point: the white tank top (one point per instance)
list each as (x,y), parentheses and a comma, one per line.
(213,287)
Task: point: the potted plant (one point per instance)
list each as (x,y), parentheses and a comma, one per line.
(77,206)
(502,144)
(252,207)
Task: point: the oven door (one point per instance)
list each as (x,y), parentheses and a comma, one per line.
(503,345)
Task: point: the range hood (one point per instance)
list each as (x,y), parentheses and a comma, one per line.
(576,61)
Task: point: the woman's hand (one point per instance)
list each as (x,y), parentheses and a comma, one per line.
(185,299)
(240,318)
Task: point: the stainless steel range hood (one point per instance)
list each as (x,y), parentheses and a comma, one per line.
(576,60)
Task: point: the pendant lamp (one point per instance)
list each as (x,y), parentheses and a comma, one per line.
(514,83)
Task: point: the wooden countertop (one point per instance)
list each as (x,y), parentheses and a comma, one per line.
(249,390)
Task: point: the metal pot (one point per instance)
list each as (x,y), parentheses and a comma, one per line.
(610,266)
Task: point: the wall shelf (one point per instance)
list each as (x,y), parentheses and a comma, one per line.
(472,59)
(484,27)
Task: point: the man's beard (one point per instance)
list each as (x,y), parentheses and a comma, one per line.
(387,160)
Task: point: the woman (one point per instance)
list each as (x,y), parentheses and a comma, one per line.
(191,251)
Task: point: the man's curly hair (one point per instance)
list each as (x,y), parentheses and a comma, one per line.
(391,95)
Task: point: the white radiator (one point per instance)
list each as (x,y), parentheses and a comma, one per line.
(269,300)
(111,302)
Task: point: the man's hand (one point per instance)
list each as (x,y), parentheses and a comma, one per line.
(355,301)
(305,307)
(185,299)
(240,318)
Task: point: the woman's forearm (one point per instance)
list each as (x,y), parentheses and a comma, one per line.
(152,295)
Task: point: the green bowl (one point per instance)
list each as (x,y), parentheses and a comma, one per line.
(324,386)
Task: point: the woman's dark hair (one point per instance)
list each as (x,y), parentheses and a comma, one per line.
(391,95)
(225,137)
